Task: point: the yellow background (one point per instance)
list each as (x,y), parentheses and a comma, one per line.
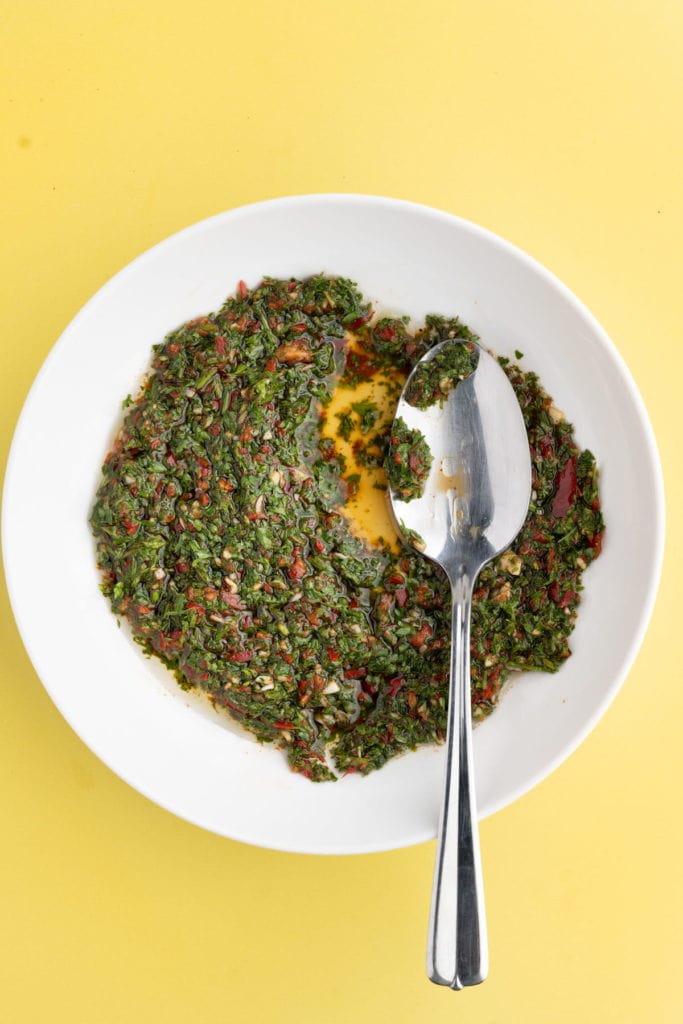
(557,125)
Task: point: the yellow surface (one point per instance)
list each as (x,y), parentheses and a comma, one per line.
(557,125)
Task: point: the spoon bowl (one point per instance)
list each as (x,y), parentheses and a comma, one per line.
(476,497)
(472,505)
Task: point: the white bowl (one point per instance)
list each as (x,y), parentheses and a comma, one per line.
(127,709)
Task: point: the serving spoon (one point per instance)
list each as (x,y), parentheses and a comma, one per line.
(472,507)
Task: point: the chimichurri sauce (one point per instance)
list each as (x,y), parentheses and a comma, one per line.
(222,539)
(434,379)
(408,461)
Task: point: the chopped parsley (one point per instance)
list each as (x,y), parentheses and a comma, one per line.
(408,461)
(434,379)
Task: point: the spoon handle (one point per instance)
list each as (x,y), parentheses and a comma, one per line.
(457,953)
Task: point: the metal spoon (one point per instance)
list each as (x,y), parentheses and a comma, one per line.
(474,504)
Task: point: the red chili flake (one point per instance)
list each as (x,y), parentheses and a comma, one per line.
(233,707)
(396,578)
(567,598)
(566,488)
(394,686)
(318,545)
(401,596)
(214,429)
(271,365)
(241,656)
(360,321)
(155,442)
(129,527)
(546,446)
(220,344)
(289,658)
(198,608)
(284,725)
(360,365)
(554,592)
(596,542)
(182,565)
(332,654)
(355,673)
(386,333)
(351,770)
(298,328)
(143,609)
(242,289)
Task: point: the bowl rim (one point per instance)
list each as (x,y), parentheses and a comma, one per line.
(657,526)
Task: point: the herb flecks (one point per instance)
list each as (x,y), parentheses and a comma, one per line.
(222,538)
(434,379)
(408,461)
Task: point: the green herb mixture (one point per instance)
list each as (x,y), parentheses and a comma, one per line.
(408,461)
(434,379)
(221,535)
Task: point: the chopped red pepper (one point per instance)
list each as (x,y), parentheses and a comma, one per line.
(355,673)
(566,488)
(596,542)
(361,320)
(241,656)
(394,686)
